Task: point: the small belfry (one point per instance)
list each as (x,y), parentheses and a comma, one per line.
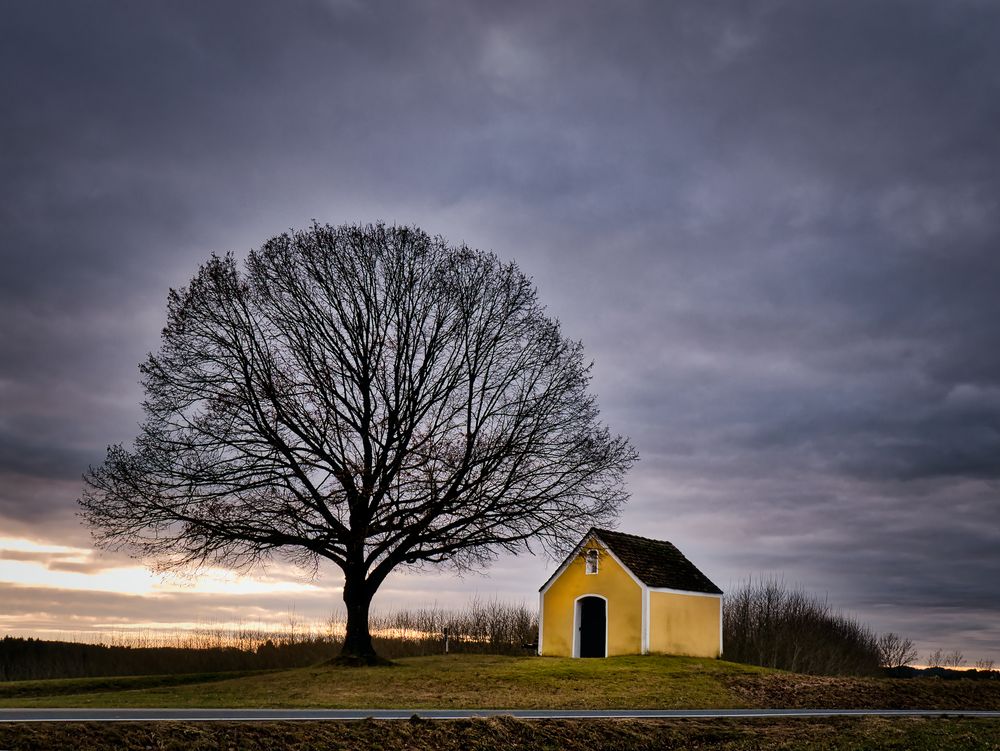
(620,594)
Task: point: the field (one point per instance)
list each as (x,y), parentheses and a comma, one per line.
(484,681)
(498,682)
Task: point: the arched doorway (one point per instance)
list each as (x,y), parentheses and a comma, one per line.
(592,627)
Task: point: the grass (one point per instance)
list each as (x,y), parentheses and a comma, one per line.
(455,681)
(498,682)
(15,691)
(483,681)
(504,732)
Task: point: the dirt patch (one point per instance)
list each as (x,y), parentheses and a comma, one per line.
(789,690)
(509,733)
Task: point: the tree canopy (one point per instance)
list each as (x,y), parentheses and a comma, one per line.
(368,395)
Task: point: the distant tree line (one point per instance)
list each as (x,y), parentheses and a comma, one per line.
(485,627)
(35,659)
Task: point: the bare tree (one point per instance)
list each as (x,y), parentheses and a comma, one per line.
(895,651)
(936,658)
(954,659)
(366,395)
(985,664)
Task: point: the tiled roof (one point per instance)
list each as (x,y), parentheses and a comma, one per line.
(656,563)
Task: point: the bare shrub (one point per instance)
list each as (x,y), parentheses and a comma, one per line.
(954,659)
(766,623)
(483,627)
(895,651)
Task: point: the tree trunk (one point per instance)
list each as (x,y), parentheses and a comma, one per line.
(358,639)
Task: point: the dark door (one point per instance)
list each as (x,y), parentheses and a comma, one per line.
(593,626)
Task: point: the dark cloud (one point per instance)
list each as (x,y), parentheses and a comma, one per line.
(774,227)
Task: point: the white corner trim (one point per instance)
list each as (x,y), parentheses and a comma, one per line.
(576,623)
(541,620)
(645,619)
(684,592)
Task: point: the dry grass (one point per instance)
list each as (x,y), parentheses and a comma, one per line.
(504,732)
(788,690)
(15,691)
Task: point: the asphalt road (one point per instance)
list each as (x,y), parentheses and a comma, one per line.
(266,715)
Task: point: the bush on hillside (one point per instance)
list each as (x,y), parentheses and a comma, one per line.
(769,624)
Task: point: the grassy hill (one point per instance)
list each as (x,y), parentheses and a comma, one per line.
(485,681)
(480,681)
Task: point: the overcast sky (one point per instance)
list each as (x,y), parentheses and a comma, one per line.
(775,226)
